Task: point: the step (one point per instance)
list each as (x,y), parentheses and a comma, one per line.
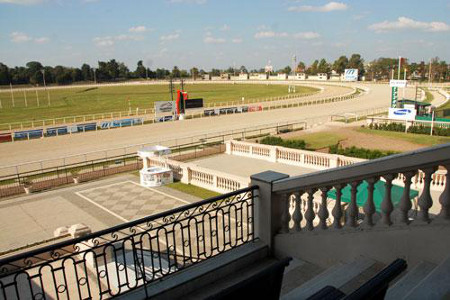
(219,288)
(406,283)
(436,285)
(337,276)
(297,273)
(194,277)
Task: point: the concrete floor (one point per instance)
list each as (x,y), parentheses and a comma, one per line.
(100,204)
(245,167)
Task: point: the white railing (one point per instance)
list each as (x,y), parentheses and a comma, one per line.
(319,161)
(295,157)
(383,120)
(190,173)
(305,199)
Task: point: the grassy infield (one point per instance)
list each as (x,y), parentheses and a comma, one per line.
(83,101)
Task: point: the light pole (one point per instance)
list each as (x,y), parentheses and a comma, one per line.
(45,87)
(95,78)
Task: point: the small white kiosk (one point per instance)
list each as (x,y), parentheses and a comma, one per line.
(154,176)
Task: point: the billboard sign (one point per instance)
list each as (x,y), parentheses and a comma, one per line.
(398,83)
(351,75)
(193,103)
(164,106)
(394,97)
(402,114)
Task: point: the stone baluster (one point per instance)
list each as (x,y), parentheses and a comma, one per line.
(425,200)
(285,216)
(386,204)
(323,210)
(369,207)
(405,201)
(297,215)
(337,209)
(309,214)
(444,199)
(352,211)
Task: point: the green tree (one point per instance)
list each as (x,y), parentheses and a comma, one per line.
(323,66)
(176,73)
(340,64)
(313,69)
(86,72)
(35,72)
(356,62)
(140,70)
(5,77)
(194,73)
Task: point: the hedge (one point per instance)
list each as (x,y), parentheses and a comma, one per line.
(277,141)
(359,152)
(419,129)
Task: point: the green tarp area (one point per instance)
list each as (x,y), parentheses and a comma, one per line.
(378,194)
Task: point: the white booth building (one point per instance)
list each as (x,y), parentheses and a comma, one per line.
(154,176)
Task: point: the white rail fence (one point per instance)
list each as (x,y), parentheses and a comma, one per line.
(190,173)
(321,161)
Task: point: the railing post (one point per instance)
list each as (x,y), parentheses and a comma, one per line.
(369,207)
(425,200)
(269,206)
(386,204)
(444,199)
(352,211)
(297,215)
(405,201)
(309,214)
(337,209)
(323,211)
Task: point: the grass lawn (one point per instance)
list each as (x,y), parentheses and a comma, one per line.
(320,140)
(192,190)
(420,139)
(83,101)
(428,96)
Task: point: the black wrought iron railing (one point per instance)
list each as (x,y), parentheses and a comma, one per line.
(131,255)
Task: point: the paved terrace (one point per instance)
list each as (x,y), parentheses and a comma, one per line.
(101,204)
(245,167)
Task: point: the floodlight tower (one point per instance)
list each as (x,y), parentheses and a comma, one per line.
(294,66)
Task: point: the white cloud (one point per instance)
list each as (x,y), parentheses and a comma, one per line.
(41,40)
(270,34)
(331,6)
(169,37)
(236,41)
(225,27)
(22,2)
(211,40)
(139,28)
(19,37)
(309,35)
(404,23)
(107,41)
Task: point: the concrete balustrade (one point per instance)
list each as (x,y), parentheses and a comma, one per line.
(190,173)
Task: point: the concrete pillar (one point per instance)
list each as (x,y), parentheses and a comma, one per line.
(334,161)
(186,178)
(268,206)
(273,154)
(228,147)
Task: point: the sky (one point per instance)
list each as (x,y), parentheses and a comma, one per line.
(220,33)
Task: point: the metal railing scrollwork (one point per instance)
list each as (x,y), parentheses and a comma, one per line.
(116,260)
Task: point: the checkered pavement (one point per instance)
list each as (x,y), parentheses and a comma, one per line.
(131,201)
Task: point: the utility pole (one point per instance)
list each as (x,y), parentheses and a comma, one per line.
(12,95)
(95,77)
(45,87)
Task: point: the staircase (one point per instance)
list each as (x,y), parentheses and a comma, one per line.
(423,281)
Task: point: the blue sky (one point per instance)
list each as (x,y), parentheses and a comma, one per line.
(220,33)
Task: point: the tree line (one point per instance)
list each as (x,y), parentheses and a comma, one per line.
(35,73)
